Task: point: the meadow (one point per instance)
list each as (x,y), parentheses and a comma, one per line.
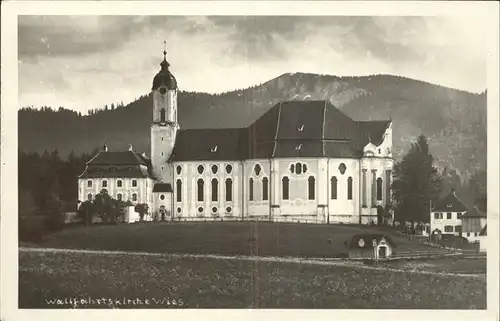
(159,278)
(226,238)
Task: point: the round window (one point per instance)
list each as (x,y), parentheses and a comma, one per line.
(228,209)
(229,169)
(342,168)
(162,197)
(179,210)
(200,209)
(200,169)
(163,90)
(214,209)
(179,170)
(361,243)
(214,169)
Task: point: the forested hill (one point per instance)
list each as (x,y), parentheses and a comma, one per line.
(454,121)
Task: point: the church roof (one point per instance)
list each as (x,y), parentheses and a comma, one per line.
(289,129)
(450,203)
(209,144)
(311,129)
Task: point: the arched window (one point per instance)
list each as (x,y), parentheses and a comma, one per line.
(89,197)
(298,168)
(119,196)
(179,190)
(162,115)
(134,197)
(292,168)
(286,188)
(215,190)
(334,188)
(229,190)
(89,183)
(312,187)
(215,169)
(200,169)
(119,183)
(265,188)
(349,188)
(200,190)
(379,189)
(250,189)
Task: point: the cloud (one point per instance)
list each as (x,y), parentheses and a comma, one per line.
(84,62)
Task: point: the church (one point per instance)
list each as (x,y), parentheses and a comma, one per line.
(301,161)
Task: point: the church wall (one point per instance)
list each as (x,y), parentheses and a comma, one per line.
(259,205)
(374,169)
(189,204)
(341,207)
(298,204)
(162,143)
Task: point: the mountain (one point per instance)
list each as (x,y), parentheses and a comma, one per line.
(454,120)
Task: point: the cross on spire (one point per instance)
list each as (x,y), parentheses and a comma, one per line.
(164,64)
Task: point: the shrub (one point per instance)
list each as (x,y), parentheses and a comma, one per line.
(32,228)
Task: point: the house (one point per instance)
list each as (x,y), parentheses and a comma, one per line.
(446,215)
(474,224)
(300,161)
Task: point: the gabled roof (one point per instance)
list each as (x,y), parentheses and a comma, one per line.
(474,212)
(118,158)
(450,203)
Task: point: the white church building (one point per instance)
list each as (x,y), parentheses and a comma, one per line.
(300,161)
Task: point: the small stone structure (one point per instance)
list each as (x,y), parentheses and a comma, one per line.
(371,246)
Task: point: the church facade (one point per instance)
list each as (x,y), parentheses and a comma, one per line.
(300,161)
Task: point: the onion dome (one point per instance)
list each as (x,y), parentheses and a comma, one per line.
(164,77)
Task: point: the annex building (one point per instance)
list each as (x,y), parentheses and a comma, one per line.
(300,161)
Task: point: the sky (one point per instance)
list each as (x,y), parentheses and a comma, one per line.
(85,62)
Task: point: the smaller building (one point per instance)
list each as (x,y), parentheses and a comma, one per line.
(125,175)
(371,246)
(446,216)
(473,223)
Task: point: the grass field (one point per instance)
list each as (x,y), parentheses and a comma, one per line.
(211,283)
(226,238)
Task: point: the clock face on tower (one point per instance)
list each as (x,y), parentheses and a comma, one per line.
(163,90)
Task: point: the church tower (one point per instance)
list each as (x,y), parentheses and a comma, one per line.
(164,126)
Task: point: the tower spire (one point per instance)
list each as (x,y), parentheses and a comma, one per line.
(164,64)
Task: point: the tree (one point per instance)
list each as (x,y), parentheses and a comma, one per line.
(416,183)
(142,209)
(103,205)
(478,188)
(86,211)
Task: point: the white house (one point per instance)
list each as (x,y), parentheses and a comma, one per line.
(300,161)
(473,223)
(446,215)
